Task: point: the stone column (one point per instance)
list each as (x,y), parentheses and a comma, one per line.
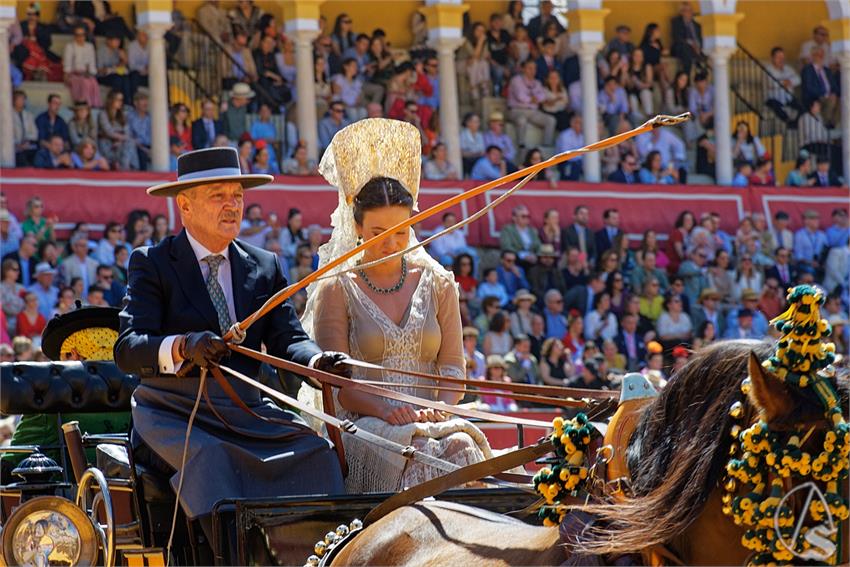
(844,59)
(302,22)
(719,25)
(586,21)
(156,20)
(445,24)
(722,114)
(7,142)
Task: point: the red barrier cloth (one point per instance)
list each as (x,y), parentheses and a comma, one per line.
(97,198)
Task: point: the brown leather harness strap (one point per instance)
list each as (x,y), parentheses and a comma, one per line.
(536,389)
(340,382)
(334,432)
(462,475)
(547,400)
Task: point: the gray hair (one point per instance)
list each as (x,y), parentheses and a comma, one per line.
(552,294)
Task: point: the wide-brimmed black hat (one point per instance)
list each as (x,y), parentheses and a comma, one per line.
(61,327)
(210,165)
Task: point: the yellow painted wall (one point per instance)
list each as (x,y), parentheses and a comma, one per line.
(766,23)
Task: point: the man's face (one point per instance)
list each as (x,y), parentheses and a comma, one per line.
(55,104)
(95,297)
(546,8)
(781,223)
(411,111)
(362,45)
(530,69)
(840,219)
(523,346)
(613,219)
(20,102)
(209,110)
(779,59)
(497,126)
(105,277)
(573,256)
(45,279)
(709,303)
(630,164)
(581,216)
(597,285)
(555,303)
(783,256)
(549,49)
(469,343)
(649,261)
(28,245)
(812,222)
(629,323)
(337,112)
(213,212)
(610,87)
(700,258)
(745,322)
(81,248)
(547,260)
(509,261)
(521,217)
(495,156)
(255,213)
(57,146)
(751,303)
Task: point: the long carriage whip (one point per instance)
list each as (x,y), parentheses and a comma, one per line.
(237,331)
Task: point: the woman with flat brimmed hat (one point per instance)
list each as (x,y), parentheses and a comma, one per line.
(497,371)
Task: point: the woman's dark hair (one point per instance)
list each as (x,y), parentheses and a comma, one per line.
(647,33)
(337,31)
(42,246)
(680,220)
(597,299)
(467,117)
(669,298)
(489,301)
(609,283)
(531,153)
(381,192)
(498,322)
(649,159)
(749,132)
(264,22)
(7,265)
(458,260)
(512,8)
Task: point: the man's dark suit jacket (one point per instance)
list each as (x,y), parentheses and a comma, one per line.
(811,86)
(679,32)
(167,295)
(831,181)
(17,257)
(577,298)
(603,243)
(200,137)
(632,364)
(569,237)
(773,272)
(619,176)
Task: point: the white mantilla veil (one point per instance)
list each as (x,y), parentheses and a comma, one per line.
(374,147)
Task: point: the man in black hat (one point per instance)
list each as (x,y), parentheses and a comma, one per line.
(183,295)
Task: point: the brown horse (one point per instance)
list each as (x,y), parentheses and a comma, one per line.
(676,458)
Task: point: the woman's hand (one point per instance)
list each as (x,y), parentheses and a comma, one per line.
(400,415)
(428,415)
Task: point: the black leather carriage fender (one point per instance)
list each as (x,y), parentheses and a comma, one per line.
(64,387)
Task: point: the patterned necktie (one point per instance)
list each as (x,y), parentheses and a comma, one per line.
(216,293)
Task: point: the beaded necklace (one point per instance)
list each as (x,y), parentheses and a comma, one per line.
(386,290)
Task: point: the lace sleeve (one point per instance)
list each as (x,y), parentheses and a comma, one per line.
(450,361)
(330,325)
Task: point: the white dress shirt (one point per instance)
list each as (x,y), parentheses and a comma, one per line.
(166,362)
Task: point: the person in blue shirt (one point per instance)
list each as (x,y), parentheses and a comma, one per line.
(839,233)
(810,241)
(553,314)
(510,274)
(492,287)
(749,303)
(490,166)
(744,170)
(50,124)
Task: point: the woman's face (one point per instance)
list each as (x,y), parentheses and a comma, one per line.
(67,297)
(296,221)
(619,282)
(492,277)
(609,349)
(497,373)
(722,259)
(465,266)
(553,218)
(265,112)
(577,326)
(682,81)
(637,57)
(709,331)
(440,153)
(161,225)
(262,155)
(88,152)
(742,130)
(474,123)
(552,80)
(31,302)
(478,31)
(604,303)
(301,154)
(746,226)
(81,113)
(688,222)
(651,239)
(651,288)
(378,220)
(611,262)
(49,253)
(656,162)
(674,305)
(535,157)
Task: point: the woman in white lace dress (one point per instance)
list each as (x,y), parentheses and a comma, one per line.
(401,314)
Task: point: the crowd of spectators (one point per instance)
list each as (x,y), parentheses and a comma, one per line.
(567,302)
(529,64)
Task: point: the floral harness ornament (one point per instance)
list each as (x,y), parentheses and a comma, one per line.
(766,461)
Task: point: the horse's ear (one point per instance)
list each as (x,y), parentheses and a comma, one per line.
(769,394)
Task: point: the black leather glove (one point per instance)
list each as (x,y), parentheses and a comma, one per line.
(331,361)
(204,349)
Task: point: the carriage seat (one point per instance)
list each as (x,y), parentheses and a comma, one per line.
(113,461)
(64,387)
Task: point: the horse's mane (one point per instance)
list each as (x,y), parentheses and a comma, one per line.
(677,453)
